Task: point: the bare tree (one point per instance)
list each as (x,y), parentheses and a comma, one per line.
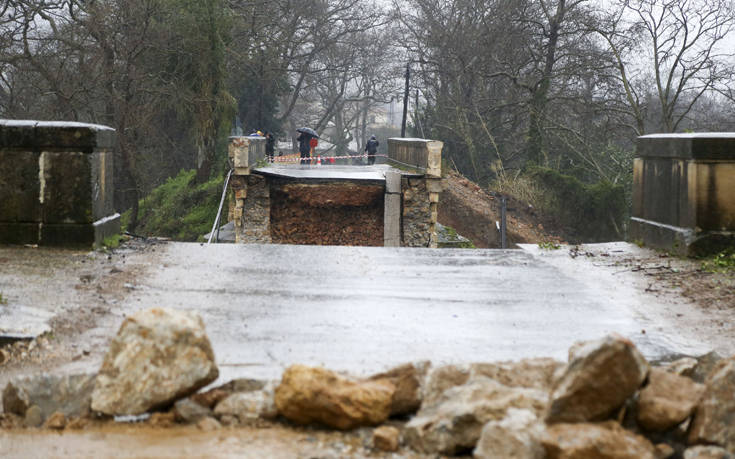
(677,45)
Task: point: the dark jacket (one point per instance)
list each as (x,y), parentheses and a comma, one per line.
(303,140)
(372,146)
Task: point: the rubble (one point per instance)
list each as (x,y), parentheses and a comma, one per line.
(605,403)
(407,381)
(307,395)
(386,438)
(606,440)
(713,419)
(667,400)
(600,377)
(70,395)
(453,422)
(517,435)
(158,356)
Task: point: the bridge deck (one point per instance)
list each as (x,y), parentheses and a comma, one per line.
(375,172)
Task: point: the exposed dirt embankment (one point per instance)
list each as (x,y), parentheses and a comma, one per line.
(473,212)
(327,214)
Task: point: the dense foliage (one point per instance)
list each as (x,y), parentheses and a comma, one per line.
(179,209)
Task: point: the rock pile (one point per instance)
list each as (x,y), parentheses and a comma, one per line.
(607,401)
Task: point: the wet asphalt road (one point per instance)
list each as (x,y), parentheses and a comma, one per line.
(365,309)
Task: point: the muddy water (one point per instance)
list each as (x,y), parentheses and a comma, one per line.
(141,441)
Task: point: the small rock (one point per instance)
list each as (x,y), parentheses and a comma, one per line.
(56,421)
(189,411)
(210,398)
(158,356)
(10,421)
(4,356)
(208,424)
(77,424)
(308,395)
(33,416)
(386,438)
(248,406)
(707,452)
(243,385)
(536,373)
(162,419)
(705,364)
(407,379)
(70,395)
(440,379)
(664,451)
(599,378)
(228,420)
(516,436)
(713,419)
(453,423)
(606,440)
(684,366)
(667,400)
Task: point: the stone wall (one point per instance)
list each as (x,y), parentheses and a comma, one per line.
(252,222)
(56,183)
(420,192)
(683,189)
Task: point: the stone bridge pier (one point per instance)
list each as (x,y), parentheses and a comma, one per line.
(392,205)
(684,192)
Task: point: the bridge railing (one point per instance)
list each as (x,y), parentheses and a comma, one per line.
(422,154)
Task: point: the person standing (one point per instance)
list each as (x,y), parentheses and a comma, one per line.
(270,146)
(304,147)
(371,148)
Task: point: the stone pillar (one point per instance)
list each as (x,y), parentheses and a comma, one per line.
(250,204)
(683,192)
(245,152)
(420,189)
(56,183)
(256,212)
(392,215)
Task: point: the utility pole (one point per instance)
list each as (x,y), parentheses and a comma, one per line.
(405,100)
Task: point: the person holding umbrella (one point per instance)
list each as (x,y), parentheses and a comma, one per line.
(304,139)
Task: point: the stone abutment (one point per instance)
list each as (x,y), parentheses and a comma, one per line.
(56,185)
(684,192)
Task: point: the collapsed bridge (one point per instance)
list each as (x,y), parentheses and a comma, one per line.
(392,204)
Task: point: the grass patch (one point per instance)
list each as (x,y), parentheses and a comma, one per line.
(112,242)
(548,245)
(3,300)
(179,209)
(722,262)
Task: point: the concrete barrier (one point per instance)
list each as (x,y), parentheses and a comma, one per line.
(56,183)
(684,192)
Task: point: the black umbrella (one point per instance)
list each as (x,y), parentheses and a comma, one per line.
(308,131)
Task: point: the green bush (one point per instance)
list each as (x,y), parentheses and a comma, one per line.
(596,212)
(180,209)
